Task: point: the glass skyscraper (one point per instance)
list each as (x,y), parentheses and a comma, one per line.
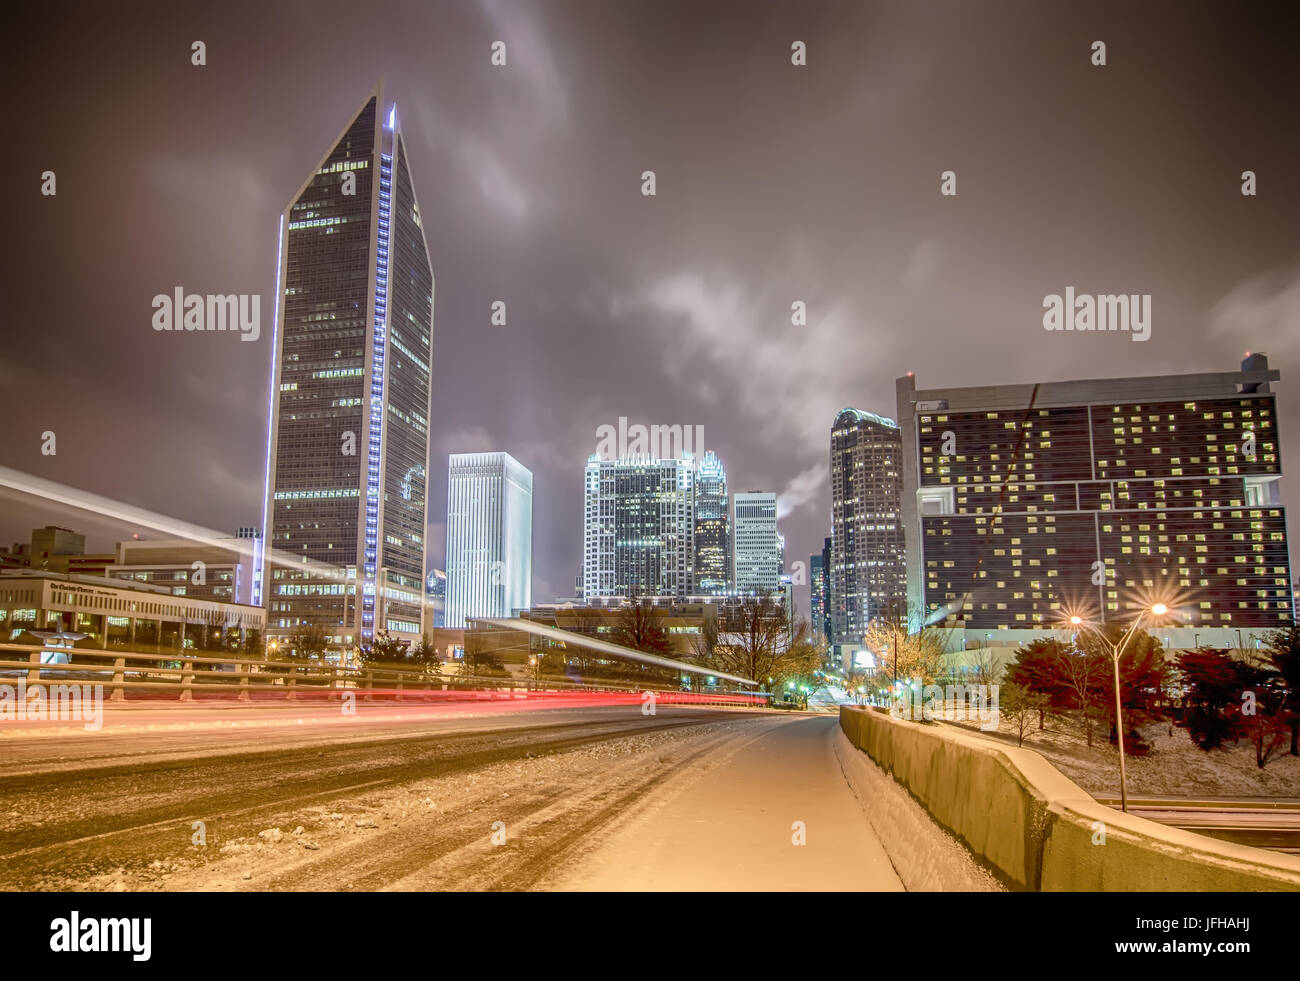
(867,571)
(712,527)
(757,554)
(350,392)
(819,590)
(489,536)
(639,528)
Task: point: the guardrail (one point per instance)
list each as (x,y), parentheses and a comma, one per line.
(185,674)
(1039,830)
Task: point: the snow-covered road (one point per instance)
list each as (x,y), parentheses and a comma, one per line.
(405,798)
(771,810)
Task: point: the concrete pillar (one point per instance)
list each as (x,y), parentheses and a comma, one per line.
(118,693)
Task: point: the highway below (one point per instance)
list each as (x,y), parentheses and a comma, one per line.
(1262,823)
(507,796)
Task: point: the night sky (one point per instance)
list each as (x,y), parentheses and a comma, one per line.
(775,183)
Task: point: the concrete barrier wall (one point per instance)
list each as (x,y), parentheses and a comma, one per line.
(1035,828)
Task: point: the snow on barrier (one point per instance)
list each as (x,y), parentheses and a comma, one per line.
(1040,831)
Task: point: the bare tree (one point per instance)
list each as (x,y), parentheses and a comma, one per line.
(986,665)
(1019,705)
(760,645)
(904,655)
(308,640)
(639,628)
(704,645)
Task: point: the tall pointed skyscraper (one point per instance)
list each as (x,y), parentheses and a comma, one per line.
(350,393)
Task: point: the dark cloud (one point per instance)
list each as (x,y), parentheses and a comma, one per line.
(775,184)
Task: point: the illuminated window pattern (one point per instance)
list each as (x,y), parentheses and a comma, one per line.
(1171,496)
(347,483)
(868,565)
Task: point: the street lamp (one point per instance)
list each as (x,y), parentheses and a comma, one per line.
(1116,652)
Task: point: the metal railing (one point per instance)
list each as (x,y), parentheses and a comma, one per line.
(186,675)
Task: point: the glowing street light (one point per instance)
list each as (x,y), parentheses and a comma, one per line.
(1116,652)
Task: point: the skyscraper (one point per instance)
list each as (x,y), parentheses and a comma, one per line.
(712,527)
(827,603)
(819,593)
(350,392)
(435,594)
(1027,503)
(638,527)
(757,554)
(489,536)
(867,558)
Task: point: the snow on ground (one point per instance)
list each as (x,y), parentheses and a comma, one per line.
(925,856)
(770,810)
(1175,766)
(436,832)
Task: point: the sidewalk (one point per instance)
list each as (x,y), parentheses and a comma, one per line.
(732,828)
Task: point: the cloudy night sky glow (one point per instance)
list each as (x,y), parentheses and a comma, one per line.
(775,184)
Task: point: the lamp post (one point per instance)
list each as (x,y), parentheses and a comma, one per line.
(1116,652)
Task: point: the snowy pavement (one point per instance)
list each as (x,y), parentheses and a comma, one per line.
(592,797)
(771,812)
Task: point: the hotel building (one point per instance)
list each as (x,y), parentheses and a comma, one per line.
(1024,504)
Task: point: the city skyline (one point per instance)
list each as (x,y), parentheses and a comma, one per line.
(908,384)
(499,179)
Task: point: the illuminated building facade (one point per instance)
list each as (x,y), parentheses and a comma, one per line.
(712,527)
(350,393)
(867,576)
(819,591)
(489,537)
(1025,503)
(757,555)
(638,528)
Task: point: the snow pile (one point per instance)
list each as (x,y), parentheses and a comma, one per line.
(925,857)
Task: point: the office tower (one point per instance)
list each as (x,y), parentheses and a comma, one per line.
(435,594)
(350,393)
(819,592)
(489,537)
(867,557)
(756,557)
(712,527)
(638,528)
(1025,502)
(827,603)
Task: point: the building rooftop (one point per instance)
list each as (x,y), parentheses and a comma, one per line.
(1218,384)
